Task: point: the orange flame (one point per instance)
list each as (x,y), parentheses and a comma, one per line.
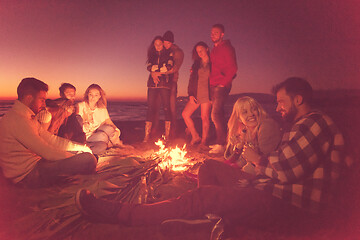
(173,158)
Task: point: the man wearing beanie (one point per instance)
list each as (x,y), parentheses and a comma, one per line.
(223,71)
(178,56)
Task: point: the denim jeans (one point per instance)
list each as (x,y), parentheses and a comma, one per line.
(173,96)
(217,173)
(98,141)
(153,98)
(49,172)
(218,97)
(223,197)
(72,129)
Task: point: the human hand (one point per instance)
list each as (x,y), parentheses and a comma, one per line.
(154,68)
(163,69)
(85,148)
(250,155)
(231,163)
(155,77)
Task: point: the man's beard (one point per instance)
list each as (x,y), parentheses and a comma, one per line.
(290,116)
(35,109)
(216,41)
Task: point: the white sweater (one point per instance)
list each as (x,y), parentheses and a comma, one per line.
(23,143)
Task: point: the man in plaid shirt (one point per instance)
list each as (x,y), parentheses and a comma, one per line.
(298,177)
(309,159)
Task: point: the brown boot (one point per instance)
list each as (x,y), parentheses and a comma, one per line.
(96,209)
(167,129)
(147,131)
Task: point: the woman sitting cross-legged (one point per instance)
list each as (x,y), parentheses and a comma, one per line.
(100,131)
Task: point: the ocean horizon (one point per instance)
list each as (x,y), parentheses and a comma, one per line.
(136,111)
(118,110)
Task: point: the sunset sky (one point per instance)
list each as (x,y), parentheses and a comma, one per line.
(105,42)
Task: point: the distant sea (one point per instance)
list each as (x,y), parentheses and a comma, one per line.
(118,110)
(136,111)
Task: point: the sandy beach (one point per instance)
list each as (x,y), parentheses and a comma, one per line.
(22,208)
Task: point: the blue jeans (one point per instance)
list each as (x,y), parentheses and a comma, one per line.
(72,129)
(218,97)
(243,205)
(153,98)
(98,141)
(173,96)
(49,172)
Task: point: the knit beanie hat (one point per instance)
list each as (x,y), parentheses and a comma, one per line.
(168,36)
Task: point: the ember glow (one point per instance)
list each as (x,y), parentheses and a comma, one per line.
(173,159)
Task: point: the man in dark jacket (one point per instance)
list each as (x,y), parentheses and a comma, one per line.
(223,71)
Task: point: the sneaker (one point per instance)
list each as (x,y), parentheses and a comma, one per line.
(217,149)
(96,209)
(178,226)
(217,233)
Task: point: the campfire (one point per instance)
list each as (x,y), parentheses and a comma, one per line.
(142,183)
(173,159)
(154,177)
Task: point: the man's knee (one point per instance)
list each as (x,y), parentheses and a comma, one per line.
(89,161)
(108,129)
(208,166)
(98,147)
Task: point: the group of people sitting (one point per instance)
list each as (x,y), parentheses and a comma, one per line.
(87,122)
(43,140)
(263,172)
(266,175)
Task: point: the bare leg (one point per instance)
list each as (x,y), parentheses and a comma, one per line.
(205,118)
(189,109)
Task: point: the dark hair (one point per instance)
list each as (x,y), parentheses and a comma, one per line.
(102,103)
(195,55)
(295,86)
(168,36)
(151,53)
(65,86)
(219,26)
(30,86)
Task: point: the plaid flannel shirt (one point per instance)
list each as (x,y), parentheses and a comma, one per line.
(307,163)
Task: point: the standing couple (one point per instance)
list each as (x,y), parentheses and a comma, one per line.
(209,85)
(164,60)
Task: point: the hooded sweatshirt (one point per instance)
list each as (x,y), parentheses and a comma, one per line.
(223,64)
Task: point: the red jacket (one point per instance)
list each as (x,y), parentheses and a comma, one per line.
(223,64)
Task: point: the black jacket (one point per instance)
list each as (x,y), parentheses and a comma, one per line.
(155,64)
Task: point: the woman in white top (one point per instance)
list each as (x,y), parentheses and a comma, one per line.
(100,131)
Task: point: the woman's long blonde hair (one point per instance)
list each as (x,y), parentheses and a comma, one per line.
(101,103)
(234,123)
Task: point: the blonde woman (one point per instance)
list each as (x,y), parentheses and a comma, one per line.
(100,131)
(248,125)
